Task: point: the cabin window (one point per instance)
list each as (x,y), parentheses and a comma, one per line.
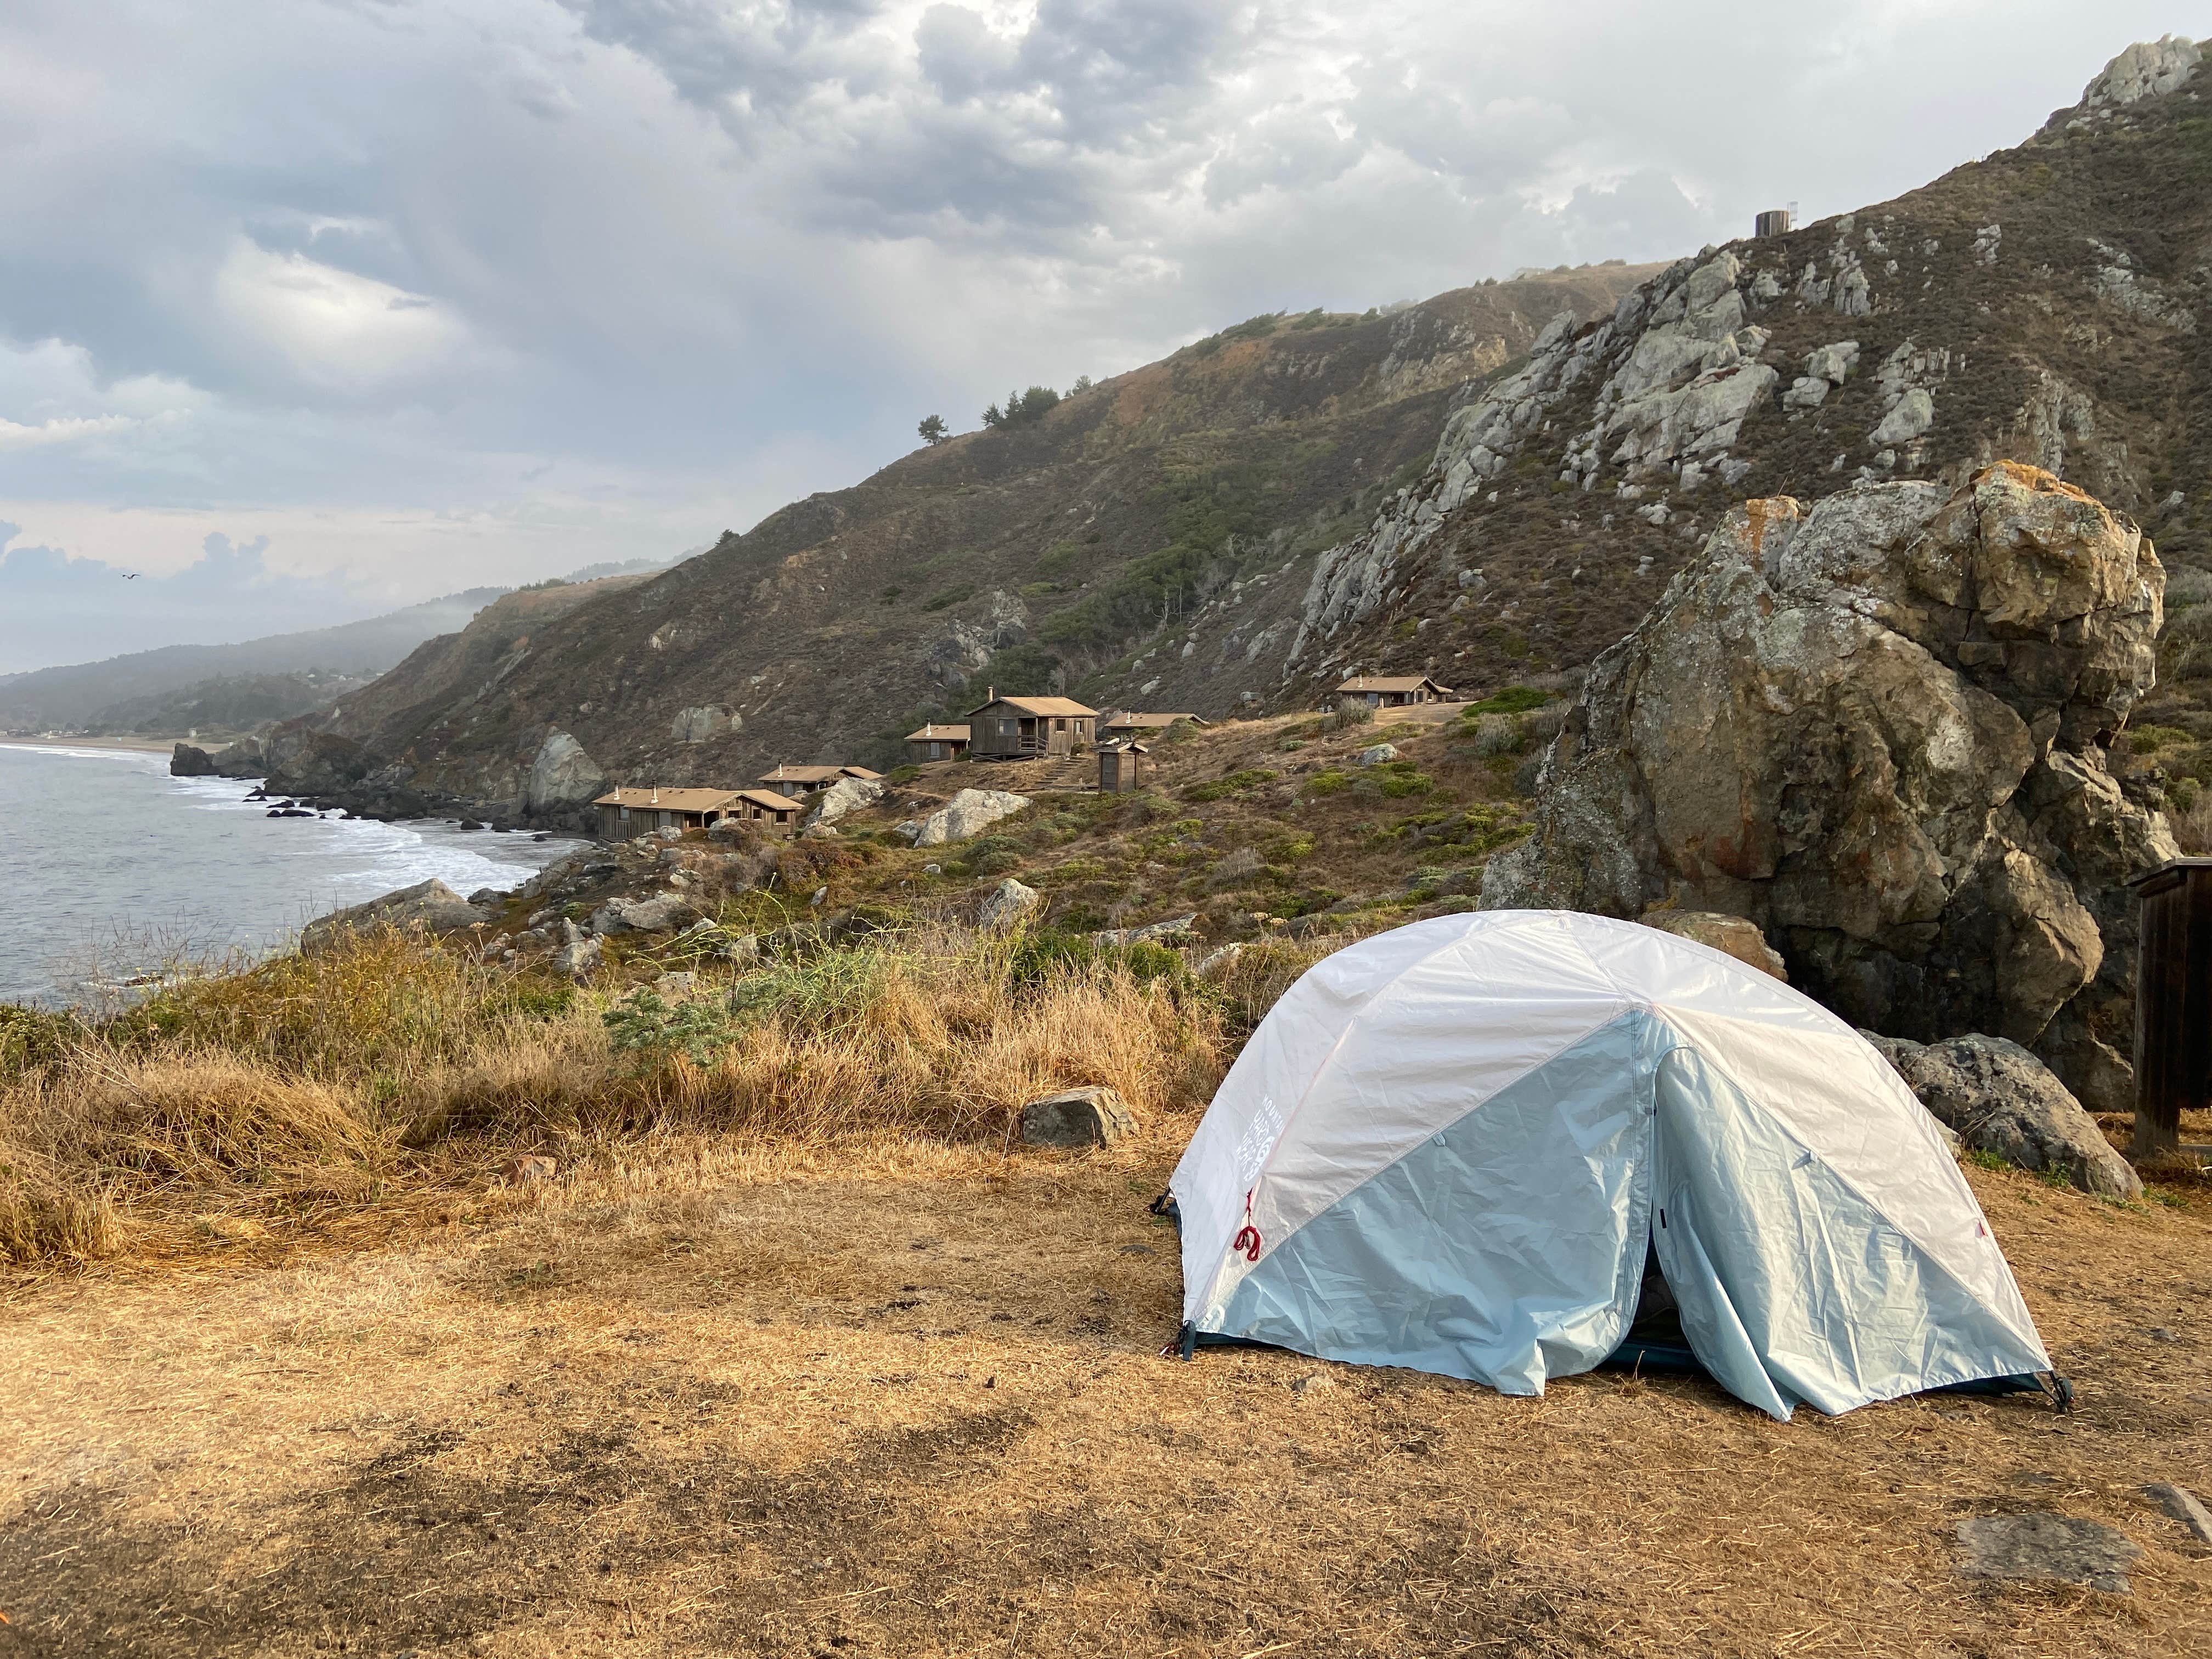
(625,814)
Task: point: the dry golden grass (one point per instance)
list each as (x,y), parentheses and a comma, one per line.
(760,1400)
(312,1097)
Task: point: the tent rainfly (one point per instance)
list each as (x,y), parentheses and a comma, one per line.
(1454,1147)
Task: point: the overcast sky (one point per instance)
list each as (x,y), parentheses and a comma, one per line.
(342,303)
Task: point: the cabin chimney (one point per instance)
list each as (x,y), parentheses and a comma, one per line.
(990,694)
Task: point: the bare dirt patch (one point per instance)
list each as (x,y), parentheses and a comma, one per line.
(919,1408)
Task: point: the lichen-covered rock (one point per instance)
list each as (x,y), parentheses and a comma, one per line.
(1877,731)
(968,813)
(2143,70)
(1730,935)
(2000,1098)
(427,906)
(1090,1116)
(662,913)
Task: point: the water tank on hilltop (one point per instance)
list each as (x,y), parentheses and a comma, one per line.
(1775,222)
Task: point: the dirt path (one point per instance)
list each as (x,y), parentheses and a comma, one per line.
(925,1415)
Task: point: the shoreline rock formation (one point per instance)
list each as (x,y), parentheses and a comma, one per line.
(1877,729)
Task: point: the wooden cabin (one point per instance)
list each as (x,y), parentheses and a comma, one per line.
(1028,728)
(797,780)
(1121,765)
(1393,690)
(626,812)
(937,743)
(1130,725)
(766,808)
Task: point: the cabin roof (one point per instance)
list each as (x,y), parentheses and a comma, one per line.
(952,733)
(670,800)
(1135,722)
(766,798)
(815,775)
(1390,682)
(1035,706)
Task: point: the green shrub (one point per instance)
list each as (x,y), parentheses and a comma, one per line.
(1329,782)
(948,597)
(1512,700)
(1236,783)
(651,1032)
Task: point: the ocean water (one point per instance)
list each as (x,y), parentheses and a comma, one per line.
(109,866)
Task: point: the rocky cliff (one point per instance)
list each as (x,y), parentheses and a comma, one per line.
(2045,304)
(1877,727)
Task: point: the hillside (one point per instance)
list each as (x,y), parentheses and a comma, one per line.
(226,703)
(1030,555)
(1248,521)
(81,694)
(2044,304)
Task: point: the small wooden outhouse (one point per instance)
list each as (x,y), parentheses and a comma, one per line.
(2173,1001)
(1120,766)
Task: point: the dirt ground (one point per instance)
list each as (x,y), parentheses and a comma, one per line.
(916,1406)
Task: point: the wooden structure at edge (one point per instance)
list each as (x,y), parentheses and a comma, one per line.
(2173,1001)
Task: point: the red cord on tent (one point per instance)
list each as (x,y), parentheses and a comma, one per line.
(1248,1242)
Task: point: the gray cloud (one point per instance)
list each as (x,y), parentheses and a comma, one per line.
(479,289)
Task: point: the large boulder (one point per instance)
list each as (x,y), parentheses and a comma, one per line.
(1090,1117)
(2000,1098)
(846,796)
(968,813)
(663,912)
(1877,731)
(427,906)
(562,775)
(186,761)
(1007,905)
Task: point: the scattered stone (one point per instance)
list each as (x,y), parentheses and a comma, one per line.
(1914,414)
(933,869)
(1313,1382)
(681,984)
(1216,963)
(528,1171)
(2183,1506)
(428,906)
(487,896)
(1151,932)
(1378,754)
(1090,1116)
(968,813)
(1139,1249)
(580,958)
(2043,1546)
(2003,1099)
(1007,904)
(1730,935)
(662,913)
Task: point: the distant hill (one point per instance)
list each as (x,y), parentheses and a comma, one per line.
(108,696)
(225,706)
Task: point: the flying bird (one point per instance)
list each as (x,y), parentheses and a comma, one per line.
(129,575)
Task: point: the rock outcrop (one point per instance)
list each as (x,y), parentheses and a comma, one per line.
(1878,731)
(186,761)
(428,906)
(1007,905)
(1730,935)
(1997,1098)
(563,776)
(707,721)
(968,813)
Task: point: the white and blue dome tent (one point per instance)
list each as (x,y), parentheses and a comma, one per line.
(1453,1147)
